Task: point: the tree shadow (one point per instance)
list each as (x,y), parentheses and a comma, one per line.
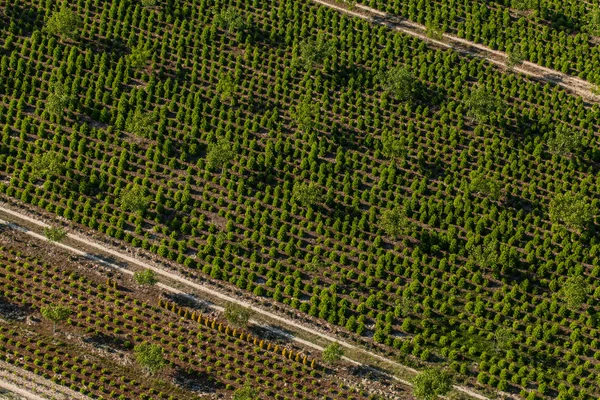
(11,311)
(196,381)
(519,203)
(272,333)
(108,342)
(115,46)
(560,21)
(189,301)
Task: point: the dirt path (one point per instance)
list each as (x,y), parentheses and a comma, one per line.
(572,84)
(30,386)
(287,323)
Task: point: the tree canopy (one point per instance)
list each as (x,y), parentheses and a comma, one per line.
(394,221)
(55,313)
(230,19)
(219,154)
(400,83)
(47,164)
(575,291)
(306,194)
(55,233)
(333,353)
(574,210)
(140,123)
(481,104)
(150,357)
(237,315)
(64,23)
(134,199)
(314,52)
(58,100)
(432,383)
(565,141)
(145,277)
(247,392)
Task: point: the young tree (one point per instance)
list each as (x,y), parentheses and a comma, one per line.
(433,31)
(565,140)
(333,353)
(574,210)
(230,20)
(145,277)
(394,221)
(400,83)
(55,233)
(140,124)
(237,315)
(515,57)
(306,194)
(574,291)
(64,23)
(134,199)
(47,164)
(432,383)
(481,104)
(58,99)
(150,357)
(219,154)
(245,393)
(55,313)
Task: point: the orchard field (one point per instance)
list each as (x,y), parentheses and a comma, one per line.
(434,207)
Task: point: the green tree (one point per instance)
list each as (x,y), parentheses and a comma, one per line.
(46,165)
(54,233)
(139,57)
(574,210)
(503,338)
(245,393)
(432,383)
(393,147)
(55,313)
(333,353)
(515,57)
(237,315)
(306,194)
(400,83)
(58,100)
(565,140)
(140,124)
(484,185)
(64,23)
(394,221)
(574,291)
(305,114)
(230,20)
(485,255)
(481,104)
(314,52)
(145,277)
(134,199)
(219,155)
(592,25)
(150,357)
(226,87)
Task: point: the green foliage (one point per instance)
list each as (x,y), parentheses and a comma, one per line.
(139,57)
(333,353)
(55,233)
(592,24)
(226,87)
(515,57)
(393,147)
(55,313)
(503,338)
(433,31)
(575,291)
(306,194)
(305,114)
(484,185)
(47,165)
(432,383)
(58,99)
(565,141)
(140,124)
(230,20)
(134,199)
(574,210)
(394,221)
(486,256)
(64,23)
(314,52)
(219,155)
(150,357)
(400,83)
(237,315)
(145,277)
(481,104)
(245,393)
